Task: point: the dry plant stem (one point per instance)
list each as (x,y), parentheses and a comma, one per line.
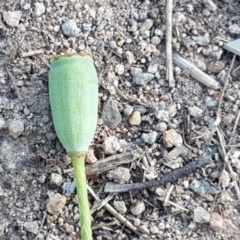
(82,194)
(218,119)
(169,65)
(112,162)
(224,156)
(32,53)
(225,84)
(234,128)
(195,72)
(41,226)
(117,215)
(167,178)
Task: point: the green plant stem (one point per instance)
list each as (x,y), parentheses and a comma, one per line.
(82,194)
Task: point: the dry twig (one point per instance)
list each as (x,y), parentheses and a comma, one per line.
(234,128)
(117,215)
(225,158)
(169,65)
(32,53)
(167,178)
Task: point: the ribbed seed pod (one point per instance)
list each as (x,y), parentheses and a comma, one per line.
(73,93)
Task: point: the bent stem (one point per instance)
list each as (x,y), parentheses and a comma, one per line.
(78,161)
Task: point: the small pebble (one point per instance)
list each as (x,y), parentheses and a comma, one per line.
(69,188)
(202,40)
(144,229)
(234,29)
(70,28)
(31,227)
(111,145)
(127,111)
(130,57)
(154,230)
(200,215)
(206,12)
(136,222)
(56,204)
(162,115)
(16,128)
(135,118)
(134,71)
(172,138)
(2,124)
(216,222)
(120,206)
(119,175)
(161,127)
(110,114)
(153,68)
(12,18)
(119,69)
(149,138)
(150,48)
(90,158)
(143,78)
(39,9)
(215,66)
(56,179)
(68,228)
(210,5)
(147,25)
(155,40)
(195,111)
(138,209)
(179,18)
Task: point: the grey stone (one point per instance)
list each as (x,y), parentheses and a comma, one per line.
(155,40)
(39,9)
(87,27)
(149,138)
(202,40)
(162,127)
(70,28)
(56,179)
(120,206)
(31,227)
(206,12)
(111,145)
(110,114)
(12,18)
(195,111)
(143,78)
(234,29)
(200,215)
(127,111)
(162,115)
(2,124)
(144,229)
(146,26)
(138,209)
(16,128)
(119,175)
(179,18)
(69,188)
(210,5)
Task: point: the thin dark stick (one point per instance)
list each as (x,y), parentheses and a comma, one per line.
(167,178)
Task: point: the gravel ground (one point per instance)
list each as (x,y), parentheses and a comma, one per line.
(137,110)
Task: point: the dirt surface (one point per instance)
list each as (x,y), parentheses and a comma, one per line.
(137,110)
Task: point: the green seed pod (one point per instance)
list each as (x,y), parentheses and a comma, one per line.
(73,92)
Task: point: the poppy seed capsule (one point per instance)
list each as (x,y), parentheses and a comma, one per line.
(73,93)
